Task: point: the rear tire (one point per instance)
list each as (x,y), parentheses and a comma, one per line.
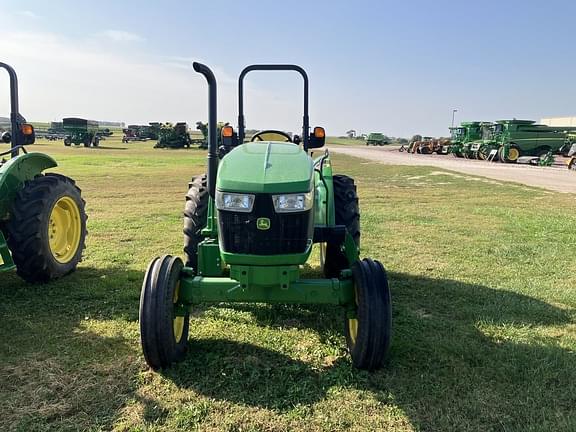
(195,218)
(163,335)
(368,334)
(47,229)
(347,214)
(67,142)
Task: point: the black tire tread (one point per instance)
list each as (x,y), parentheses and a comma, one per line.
(347,213)
(28,224)
(374,314)
(195,217)
(156,332)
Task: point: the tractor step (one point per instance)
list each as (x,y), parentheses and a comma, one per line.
(6,262)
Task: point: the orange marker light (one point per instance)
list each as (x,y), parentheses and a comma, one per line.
(227,131)
(27,129)
(319,132)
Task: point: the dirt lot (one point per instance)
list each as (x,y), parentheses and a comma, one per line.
(556,178)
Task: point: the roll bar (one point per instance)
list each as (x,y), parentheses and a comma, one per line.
(273,67)
(15,117)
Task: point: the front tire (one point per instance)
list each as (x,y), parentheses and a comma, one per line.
(348,214)
(163,334)
(195,218)
(47,230)
(368,333)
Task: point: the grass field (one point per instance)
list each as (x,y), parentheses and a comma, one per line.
(484,297)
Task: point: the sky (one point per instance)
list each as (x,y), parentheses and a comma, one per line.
(397,67)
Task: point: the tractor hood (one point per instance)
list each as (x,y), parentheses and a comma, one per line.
(266,167)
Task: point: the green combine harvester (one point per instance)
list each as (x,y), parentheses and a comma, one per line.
(80,131)
(377,139)
(173,136)
(42,216)
(250,224)
(461,136)
(520,138)
(482,147)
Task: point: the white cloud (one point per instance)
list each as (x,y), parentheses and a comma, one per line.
(121,36)
(60,77)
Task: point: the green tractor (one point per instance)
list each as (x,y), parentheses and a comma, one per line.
(80,131)
(377,139)
(42,216)
(250,224)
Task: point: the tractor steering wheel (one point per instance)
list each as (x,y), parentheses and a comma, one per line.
(271,135)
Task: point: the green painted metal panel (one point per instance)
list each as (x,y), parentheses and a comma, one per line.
(196,290)
(6,262)
(15,172)
(209,260)
(266,167)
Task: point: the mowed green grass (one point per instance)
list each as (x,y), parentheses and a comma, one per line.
(484,298)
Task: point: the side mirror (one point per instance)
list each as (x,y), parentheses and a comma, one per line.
(6,137)
(317,138)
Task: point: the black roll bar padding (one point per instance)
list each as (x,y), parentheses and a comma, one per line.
(14,108)
(212,114)
(273,67)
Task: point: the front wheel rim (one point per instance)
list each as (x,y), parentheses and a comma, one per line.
(353,329)
(177,321)
(64,230)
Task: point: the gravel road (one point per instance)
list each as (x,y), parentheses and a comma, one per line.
(557,178)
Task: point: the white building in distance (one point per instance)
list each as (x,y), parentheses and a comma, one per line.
(558,121)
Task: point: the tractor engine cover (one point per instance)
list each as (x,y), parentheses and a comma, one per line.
(265,169)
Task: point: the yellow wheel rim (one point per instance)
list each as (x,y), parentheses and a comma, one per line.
(64,230)
(178,321)
(353,329)
(513,154)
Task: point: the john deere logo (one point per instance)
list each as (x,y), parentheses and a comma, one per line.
(263,224)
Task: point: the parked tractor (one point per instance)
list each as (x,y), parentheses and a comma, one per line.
(80,132)
(377,139)
(42,215)
(175,137)
(250,224)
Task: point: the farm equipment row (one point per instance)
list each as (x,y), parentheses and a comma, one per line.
(507,141)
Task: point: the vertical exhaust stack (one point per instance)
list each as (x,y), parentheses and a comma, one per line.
(14,108)
(212,114)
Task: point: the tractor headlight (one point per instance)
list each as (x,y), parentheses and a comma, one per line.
(298,202)
(234,201)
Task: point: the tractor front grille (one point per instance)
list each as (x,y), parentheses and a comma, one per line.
(288,233)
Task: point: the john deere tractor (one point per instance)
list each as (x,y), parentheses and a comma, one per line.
(250,224)
(42,217)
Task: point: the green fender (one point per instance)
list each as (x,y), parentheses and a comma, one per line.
(15,172)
